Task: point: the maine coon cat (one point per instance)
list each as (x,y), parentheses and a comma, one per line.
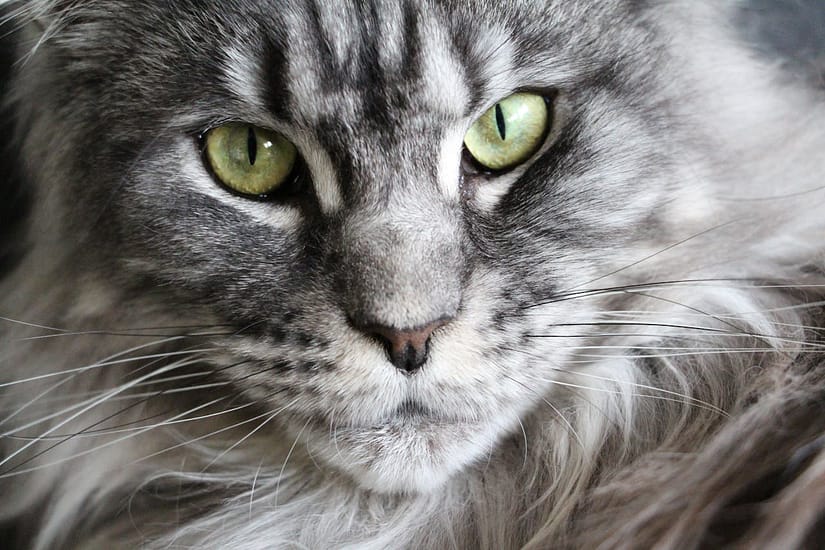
(399,274)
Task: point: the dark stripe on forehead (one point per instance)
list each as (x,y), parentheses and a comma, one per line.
(372,81)
(329,72)
(276,70)
(333,138)
(411,62)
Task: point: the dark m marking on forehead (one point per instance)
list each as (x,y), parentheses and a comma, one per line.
(411,63)
(329,72)
(333,137)
(372,81)
(276,58)
(382,79)
(401,77)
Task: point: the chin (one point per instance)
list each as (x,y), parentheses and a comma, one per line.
(404,456)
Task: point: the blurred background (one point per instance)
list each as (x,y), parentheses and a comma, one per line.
(791,31)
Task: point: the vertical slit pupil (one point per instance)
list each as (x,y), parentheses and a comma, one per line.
(252,146)
(502,126)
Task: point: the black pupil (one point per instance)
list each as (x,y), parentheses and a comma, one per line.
(252,146)
(502,126)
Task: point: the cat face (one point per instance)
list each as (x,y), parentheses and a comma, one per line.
(398,304)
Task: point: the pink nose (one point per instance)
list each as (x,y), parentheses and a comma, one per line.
(407,349)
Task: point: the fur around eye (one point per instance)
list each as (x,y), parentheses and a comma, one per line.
(249,160)
(510,132)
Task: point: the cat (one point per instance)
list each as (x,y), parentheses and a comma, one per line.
(398,274)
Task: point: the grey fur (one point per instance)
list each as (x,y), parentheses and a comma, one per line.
(635,355)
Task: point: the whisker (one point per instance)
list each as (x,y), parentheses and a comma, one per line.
(81,404)
(722,317)
(32,325)
(252,490)
(286,460)
(662,355)
(85,395)
(525,453)
(773,197)
(640,324)
(675,396)
(143,332)
(244,438)
(687,307)
(697,350)
(804,346)
(108,362)
(37,399)
(746,283)
(92,405)
(14,472)
(553,407)
(143,397)
(147,395)
(766,337)
(87,432)
(123,334)
(684,400)
(211,434)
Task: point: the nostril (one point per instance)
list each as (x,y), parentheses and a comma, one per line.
(407,349)
(406,356)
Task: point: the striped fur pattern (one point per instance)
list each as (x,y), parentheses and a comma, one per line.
(635,355)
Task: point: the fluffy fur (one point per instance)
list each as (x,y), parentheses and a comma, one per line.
(634,358)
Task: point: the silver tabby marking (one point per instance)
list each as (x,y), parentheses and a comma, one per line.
(634,352)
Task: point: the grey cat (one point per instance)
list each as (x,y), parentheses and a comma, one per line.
(398,274)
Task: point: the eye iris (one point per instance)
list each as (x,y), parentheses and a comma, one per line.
(509,133)
(249,160)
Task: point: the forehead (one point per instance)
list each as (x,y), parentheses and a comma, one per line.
(307,59)
(362,68)
(368,62)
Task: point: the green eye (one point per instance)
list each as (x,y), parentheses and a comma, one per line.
(249,160)
(509,133)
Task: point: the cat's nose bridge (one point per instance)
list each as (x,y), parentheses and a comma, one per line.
(404,274)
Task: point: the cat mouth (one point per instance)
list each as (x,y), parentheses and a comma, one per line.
(410,416)
(413,413)
(412,409)
(412,450)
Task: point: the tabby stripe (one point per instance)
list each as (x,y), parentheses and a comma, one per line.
(372,79)
(411,64)
(278,96)
(330,75)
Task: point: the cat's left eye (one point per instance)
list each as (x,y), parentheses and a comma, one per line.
(249,160)
(509,133)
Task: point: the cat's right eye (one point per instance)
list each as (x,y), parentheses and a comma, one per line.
(249,160)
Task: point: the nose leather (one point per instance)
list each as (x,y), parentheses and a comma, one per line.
(407,349)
